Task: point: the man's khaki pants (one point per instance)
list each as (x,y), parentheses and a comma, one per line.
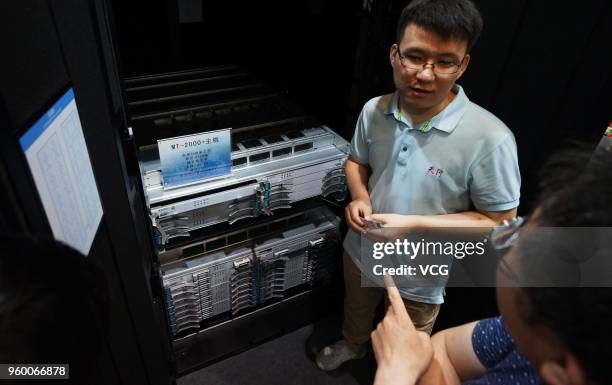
(360,307)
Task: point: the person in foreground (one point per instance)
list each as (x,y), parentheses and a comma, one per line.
(555,335)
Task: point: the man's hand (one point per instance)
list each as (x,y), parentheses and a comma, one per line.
(394,226)
(355,212)
(394,220)
(402,353)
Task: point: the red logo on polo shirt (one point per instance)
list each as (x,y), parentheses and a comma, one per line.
(435,171)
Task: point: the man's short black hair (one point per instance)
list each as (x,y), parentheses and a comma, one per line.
(450,19)
(580,317)
(53,306)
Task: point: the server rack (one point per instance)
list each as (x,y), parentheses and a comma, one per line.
(243,258)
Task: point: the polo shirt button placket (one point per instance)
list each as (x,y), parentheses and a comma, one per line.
(402,158)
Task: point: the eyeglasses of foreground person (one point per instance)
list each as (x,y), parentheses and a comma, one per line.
(502,238)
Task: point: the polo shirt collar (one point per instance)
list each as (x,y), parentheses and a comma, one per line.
(446,120)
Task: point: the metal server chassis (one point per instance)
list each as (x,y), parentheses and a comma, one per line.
(261,266)
(297,166)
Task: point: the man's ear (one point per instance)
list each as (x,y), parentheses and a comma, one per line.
(393,53)
(464,65)
(571,373)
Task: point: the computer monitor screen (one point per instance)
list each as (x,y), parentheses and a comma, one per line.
(57,155)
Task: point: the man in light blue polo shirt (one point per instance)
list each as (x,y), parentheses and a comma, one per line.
(423,156)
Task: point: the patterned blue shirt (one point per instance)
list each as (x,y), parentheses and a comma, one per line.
(496,350)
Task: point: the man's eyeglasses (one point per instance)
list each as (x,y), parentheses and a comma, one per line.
(502,238)
(415,62)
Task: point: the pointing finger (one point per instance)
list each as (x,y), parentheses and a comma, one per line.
(396,302)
